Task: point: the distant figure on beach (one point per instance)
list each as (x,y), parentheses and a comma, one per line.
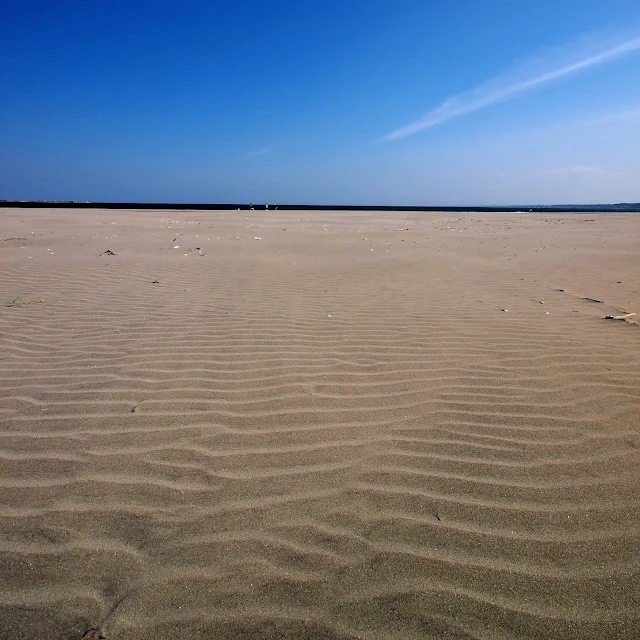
(251,206)
(266,206)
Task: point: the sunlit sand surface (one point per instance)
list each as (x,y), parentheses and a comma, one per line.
(319,425)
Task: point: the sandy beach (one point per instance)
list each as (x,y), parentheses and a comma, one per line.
(319,425)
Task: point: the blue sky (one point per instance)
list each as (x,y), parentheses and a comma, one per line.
(346,101)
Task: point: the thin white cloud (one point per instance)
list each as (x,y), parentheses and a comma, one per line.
(503,89)
(578,170)
(615,116)
(258,152)
(582,169)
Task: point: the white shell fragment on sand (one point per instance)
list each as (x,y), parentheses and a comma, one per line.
(625,316)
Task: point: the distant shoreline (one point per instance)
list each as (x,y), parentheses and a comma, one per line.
(57,204)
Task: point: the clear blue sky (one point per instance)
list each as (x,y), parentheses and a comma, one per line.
(346,101)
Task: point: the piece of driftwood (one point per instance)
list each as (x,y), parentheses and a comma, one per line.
(625,316)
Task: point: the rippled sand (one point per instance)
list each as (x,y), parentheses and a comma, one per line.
(319,425)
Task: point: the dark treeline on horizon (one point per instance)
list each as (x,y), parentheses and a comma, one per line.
(183,206)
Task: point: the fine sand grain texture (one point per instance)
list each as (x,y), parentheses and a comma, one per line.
(319,425)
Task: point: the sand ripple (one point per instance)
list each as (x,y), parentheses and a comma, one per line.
(302,438)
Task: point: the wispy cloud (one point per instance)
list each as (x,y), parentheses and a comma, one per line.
(578,170)
(505,88)
(615,116)
(258,152)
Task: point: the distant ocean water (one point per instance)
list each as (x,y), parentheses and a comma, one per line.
(559,208)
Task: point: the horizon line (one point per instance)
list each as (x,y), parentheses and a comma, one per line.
(627,207)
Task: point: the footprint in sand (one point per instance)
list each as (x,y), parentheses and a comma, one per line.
(94,634)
